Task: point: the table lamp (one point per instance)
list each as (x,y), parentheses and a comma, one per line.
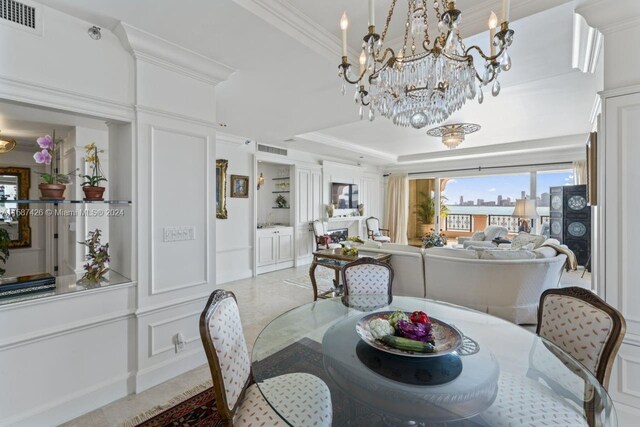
(525,209)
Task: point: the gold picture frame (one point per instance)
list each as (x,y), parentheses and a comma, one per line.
(239,186)
(592,169)
(23,176)
(221,188)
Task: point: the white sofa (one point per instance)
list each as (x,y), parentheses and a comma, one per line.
(408,267)
(509,289)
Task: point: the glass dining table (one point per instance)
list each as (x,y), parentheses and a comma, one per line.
(501,375)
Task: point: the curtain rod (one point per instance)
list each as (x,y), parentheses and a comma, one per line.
(480,168)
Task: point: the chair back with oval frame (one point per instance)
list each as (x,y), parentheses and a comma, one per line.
(567,315)
(367,276)
(226,349)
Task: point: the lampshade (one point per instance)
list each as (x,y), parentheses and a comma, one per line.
(525,208)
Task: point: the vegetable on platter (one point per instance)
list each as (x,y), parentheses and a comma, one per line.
(403,332)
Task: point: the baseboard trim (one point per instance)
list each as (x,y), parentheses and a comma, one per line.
(168,369)
(75,404)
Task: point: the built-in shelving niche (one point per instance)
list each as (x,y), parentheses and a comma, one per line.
(56,227)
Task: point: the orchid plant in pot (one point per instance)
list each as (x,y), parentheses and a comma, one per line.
(53,185)
(92,190)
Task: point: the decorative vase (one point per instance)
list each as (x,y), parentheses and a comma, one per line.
(52,191)
(93,193)
(330,210)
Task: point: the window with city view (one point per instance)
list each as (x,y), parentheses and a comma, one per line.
(491,199)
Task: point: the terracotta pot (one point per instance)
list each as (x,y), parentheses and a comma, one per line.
(425,228)
(52,191)
(93,193)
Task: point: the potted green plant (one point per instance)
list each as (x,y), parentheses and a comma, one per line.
(425,213)
(92,190)
(4,249)
(97,257)
(53,185)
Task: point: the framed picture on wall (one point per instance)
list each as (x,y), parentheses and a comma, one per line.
(592,169)
(239,186)
(221,188)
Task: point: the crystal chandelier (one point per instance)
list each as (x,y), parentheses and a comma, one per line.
(425,80)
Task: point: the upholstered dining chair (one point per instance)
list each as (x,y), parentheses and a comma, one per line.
(320,234)
(305,397)
(366,276)
(583,325)
(374,232)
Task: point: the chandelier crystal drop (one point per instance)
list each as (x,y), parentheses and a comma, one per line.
(431,74)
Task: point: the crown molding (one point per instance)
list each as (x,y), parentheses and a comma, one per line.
(153,49)
(521,147)
(230,138)
(331,141)
(610,16)
(296,24)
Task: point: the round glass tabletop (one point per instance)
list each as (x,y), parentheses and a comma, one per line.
(501,373)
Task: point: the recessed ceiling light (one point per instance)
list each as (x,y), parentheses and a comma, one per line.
(361,157)
(222,125)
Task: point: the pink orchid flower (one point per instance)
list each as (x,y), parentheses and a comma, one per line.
(45,142)
(43,157)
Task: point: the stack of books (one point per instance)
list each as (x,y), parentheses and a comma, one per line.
(15,286)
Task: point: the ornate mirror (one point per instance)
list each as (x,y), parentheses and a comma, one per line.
(14,185)
(221,188)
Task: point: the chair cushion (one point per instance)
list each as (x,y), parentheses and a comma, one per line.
(382,238)
(302,399)
(577,327)
(494,231)
(372,244)
(524,402)
(228,338)
(523,239)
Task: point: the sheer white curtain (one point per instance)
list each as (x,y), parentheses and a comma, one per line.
(397,207)
(579,172)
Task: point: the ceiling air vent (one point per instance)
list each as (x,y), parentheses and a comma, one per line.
(18,13)
(272,150)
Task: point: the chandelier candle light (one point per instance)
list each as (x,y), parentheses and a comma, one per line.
(424,81)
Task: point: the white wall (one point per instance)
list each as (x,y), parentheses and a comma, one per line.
(618,178)
(234,235)
(102,344)
(80,70)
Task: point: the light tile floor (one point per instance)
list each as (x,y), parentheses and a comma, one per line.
(261,300)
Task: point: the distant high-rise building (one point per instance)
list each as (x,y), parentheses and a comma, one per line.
(480,202)
(461,200)
(545,199)
(500,200)
(523,194)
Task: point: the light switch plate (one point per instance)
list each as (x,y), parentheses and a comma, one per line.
(178,234)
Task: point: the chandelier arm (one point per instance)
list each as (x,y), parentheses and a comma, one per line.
(483,55)
(353,82)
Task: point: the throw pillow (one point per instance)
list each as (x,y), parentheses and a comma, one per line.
(545,252)
(497,254)
(478,236)
(494,231)
(523,239)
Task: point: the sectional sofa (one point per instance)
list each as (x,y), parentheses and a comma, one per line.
(507,284)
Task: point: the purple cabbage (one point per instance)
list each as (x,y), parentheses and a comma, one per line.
(419,332)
